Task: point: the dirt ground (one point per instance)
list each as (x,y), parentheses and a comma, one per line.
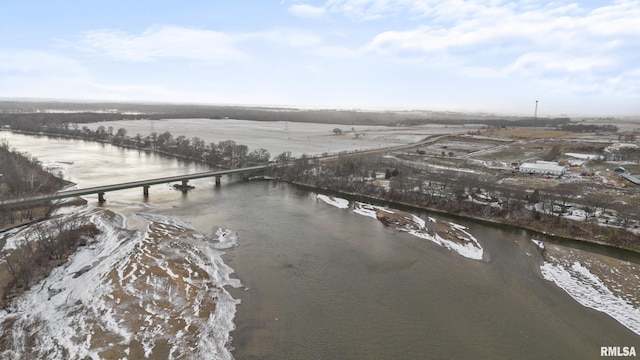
(497,154)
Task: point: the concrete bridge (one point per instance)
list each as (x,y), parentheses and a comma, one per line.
(144,184)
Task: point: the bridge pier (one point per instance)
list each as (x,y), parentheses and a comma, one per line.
(145,184)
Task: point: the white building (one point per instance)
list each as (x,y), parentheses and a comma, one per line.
(543,168)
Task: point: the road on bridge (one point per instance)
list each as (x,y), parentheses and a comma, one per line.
(128,185)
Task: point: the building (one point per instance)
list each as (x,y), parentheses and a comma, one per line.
(631,178)
(543,168)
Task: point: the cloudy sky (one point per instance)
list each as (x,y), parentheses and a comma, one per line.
(574,57)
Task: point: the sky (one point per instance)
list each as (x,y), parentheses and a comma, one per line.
(573,58)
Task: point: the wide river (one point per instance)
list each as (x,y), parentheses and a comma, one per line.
(320,282)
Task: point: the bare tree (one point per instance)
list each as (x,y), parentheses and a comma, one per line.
(595,202)
(564,192)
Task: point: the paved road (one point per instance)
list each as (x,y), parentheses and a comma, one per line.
(425,141)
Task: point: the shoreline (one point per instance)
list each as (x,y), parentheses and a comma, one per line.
(600,283)
(633,253)
(444,233)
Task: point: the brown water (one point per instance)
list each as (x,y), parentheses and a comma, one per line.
(325,283)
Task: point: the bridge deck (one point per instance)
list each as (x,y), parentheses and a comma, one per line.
(128,185)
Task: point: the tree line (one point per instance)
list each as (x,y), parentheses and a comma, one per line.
(474,195)
(12,113)
(23,175)
(43,246)
(225,153)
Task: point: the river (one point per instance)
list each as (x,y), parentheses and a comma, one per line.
(321,282)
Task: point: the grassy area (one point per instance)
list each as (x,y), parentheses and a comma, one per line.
(533,133)
(511,154)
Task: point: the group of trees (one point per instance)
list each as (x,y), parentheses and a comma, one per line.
(43,246)
(23,175)
(472,194)
(38,121)
(224,153)
(589,128)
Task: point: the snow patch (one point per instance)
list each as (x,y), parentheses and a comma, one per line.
(469,247)
(584,156)
(334,201)
(589,290)
(539,243)
(606,285)
(126,290)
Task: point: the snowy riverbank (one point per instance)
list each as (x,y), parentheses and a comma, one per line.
(129,294)
(446,234)
(602,283)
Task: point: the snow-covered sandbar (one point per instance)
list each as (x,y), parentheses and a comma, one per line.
(446,234)
(334,201)
(156,292)
(596,281)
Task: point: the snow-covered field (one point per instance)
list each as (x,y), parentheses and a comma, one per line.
(584,156)
(602,283)
(129,295)
(280,136)
(464,244)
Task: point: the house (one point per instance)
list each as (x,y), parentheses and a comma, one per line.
(630,178)
(543,168)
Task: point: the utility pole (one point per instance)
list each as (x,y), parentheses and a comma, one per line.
(535,113)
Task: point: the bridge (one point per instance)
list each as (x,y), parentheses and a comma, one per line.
(144,184)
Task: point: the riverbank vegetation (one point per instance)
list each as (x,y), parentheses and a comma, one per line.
(475,196)
(29,253)
(32,252)
(22,175)
(226,154)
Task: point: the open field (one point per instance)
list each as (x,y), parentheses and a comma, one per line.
(591,182)
(532,133)
(279,136)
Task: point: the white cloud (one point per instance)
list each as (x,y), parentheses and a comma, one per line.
(366,9)
(307,11)
(169,42)
(172,42)
(285,37)
(537,62)
(581,47)
(340,52)
(34,61)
